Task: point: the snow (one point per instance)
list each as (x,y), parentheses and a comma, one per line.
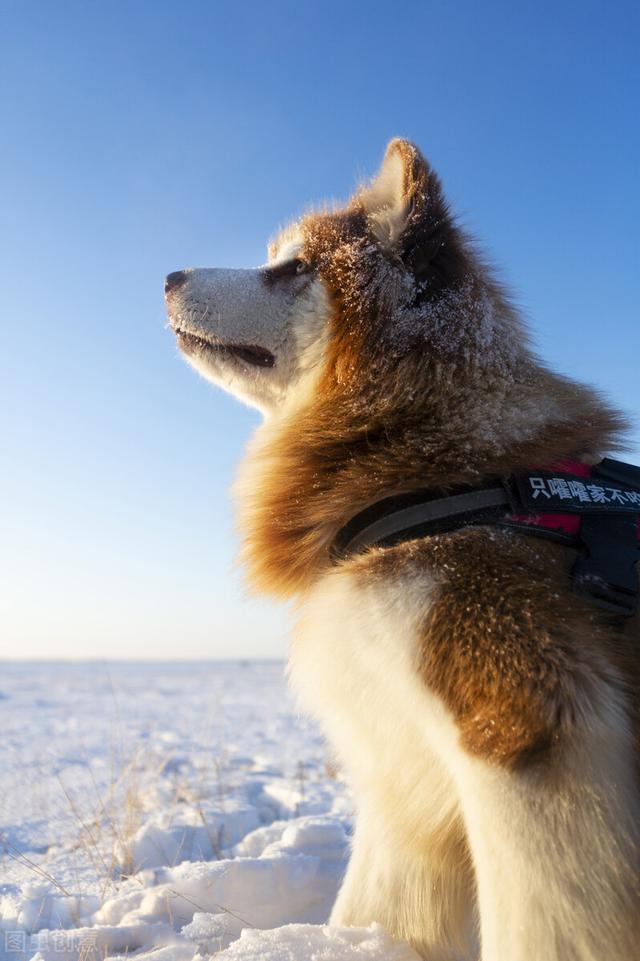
(304,942)
(169,809)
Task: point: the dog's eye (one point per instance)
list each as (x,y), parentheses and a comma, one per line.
(288,268)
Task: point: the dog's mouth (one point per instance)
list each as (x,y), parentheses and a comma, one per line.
(248,353)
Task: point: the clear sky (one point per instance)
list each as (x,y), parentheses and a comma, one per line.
(140,137)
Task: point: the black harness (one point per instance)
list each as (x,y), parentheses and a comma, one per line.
(543,503)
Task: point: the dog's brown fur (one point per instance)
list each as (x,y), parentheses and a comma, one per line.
(357,441)
(507,645)
(514,655)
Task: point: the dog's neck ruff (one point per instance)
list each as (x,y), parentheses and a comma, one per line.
(593,509)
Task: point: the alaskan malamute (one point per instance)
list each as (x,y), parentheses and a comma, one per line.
(471,660)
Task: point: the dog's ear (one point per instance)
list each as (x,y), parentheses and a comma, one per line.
(392,199)
(409,216)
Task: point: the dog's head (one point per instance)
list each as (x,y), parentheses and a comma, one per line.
(391,359)
(345,295)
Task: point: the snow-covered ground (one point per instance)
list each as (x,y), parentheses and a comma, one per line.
(172,809)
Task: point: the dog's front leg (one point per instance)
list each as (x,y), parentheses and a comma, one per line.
(555,847)
(423,894)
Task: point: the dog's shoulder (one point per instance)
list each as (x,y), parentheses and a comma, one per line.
(488,623)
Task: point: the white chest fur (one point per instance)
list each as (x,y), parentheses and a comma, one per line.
(355,666)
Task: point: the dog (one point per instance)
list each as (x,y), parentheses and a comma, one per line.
(485,712)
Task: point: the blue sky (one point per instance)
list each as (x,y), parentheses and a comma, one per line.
(141,137)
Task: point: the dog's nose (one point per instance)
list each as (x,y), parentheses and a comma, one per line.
(174,280)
